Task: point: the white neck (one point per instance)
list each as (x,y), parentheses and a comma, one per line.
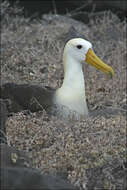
(72,91)
(73,78)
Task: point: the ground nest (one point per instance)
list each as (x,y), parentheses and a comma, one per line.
(89,152)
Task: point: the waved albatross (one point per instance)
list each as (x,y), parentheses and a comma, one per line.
(70,97)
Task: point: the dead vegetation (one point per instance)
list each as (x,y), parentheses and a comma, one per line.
(32,53)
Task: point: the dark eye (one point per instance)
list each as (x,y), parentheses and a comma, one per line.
(79,46)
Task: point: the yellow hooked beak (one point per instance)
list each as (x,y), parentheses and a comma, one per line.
(92,59)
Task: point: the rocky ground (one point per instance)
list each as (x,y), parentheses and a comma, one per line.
(91,152)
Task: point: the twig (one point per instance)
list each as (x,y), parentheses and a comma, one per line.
(111,107)
(80,8)
(54,7)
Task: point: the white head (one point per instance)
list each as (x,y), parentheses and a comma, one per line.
(77,49)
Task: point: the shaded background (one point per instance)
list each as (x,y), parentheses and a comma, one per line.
(37,8)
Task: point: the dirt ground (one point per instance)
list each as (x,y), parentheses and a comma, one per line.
(91,152)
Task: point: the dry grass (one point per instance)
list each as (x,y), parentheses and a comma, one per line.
(31,53)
